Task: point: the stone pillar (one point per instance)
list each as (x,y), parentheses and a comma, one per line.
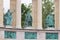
(59,14)
(13,9)
(1,13)
(56,14)
(34,13)
(41,35)
(18,14)
(37,14)
(1,35)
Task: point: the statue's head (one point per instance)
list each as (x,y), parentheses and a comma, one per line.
(8,12)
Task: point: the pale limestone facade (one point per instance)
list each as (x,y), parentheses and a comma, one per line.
(37,19)
(15,6)
(20,34)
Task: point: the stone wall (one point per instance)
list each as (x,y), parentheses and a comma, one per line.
(20,34)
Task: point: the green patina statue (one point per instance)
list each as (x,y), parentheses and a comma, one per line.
(8,18)
(28,20)
(50,20)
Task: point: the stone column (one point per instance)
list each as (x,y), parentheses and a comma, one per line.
(34,13)
(18,14)
(13,9)
(37,14)
(56,14)
(1,13)
(59,14)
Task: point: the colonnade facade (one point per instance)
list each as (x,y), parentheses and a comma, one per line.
(15,5)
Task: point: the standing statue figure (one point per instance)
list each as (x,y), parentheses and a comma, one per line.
(28,20)
(8,18)
(50,20)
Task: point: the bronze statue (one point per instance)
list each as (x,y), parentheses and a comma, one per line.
(8,18)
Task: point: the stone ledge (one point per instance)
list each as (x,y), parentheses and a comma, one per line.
(17,29)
